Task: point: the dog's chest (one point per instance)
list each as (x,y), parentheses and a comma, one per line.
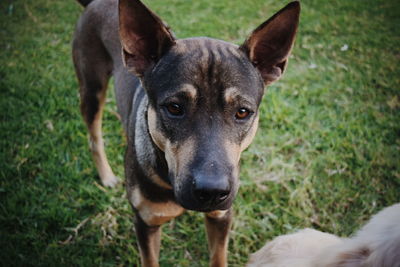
(154,213)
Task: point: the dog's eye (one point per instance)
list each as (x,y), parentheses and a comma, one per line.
(242,113)
(174,109)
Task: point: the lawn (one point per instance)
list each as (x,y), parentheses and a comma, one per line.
(326,155)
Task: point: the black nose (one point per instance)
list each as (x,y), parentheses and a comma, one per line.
(211,190)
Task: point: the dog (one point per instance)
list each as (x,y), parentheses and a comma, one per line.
(377,244)
(189,107)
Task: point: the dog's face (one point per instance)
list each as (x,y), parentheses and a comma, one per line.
(204,96)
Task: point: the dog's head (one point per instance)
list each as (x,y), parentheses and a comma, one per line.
(204,96)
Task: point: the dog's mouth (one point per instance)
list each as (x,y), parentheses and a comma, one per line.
(206,207)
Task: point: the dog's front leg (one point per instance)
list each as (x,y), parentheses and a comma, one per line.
(218,224)
(149,242)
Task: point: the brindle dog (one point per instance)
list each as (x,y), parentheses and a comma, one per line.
(189,107)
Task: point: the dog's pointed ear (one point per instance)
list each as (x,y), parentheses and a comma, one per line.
(144,37)
(269,46)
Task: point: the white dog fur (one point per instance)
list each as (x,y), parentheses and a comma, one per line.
(377,244)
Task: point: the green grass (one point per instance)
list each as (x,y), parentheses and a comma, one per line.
(327,154)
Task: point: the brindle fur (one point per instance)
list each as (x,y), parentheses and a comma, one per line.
(190,161)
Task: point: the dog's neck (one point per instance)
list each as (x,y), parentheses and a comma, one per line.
(150,158)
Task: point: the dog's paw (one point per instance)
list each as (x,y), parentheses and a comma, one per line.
(110,180)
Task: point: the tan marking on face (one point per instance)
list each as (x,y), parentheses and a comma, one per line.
(216,214)
(158,137)
(161,142)
(189,90)
(185,152)
(179,158)
(250,135)
(234,150)
(231,93)
(154,213)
